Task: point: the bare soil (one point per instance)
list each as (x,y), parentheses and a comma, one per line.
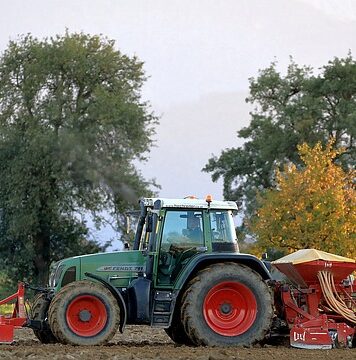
(140,342)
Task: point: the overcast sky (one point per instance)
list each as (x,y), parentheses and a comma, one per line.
(199,55)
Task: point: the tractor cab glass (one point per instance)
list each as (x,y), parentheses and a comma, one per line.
(223,234)
(183,229)
(182,237)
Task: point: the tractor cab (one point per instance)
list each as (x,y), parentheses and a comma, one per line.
(172,231)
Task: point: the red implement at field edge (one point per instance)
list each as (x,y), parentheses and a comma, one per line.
(17,319)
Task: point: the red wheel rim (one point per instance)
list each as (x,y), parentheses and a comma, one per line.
(230,308)
(86,315)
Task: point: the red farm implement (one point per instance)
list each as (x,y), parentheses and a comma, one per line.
(318,302)
(17,319)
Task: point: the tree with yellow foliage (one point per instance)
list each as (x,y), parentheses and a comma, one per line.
(311,207)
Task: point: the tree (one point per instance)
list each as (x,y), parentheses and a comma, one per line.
(289,110)
(72,125)
(312,207)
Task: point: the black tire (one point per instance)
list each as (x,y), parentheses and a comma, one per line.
(176,331)
(252,320)
(178,335)
(39,311)
(94,303)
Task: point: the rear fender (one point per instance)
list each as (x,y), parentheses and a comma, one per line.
(203,260)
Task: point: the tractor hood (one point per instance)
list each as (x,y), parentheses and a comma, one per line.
(118,268)
(116,262)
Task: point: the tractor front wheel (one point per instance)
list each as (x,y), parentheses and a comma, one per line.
(84,313)
(227,304)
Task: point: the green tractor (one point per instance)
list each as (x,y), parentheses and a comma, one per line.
(184,274)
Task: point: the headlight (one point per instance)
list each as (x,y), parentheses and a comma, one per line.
(55,275)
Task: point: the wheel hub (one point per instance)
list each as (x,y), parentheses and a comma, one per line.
(225,308)
(84,315)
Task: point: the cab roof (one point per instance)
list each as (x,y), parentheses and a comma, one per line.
(190,203)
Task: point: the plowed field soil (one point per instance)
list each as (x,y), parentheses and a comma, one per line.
(139,342)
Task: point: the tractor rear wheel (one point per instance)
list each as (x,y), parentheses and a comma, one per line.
(39,310)
(177,334)
(176,331)
(227,304)
(84,313)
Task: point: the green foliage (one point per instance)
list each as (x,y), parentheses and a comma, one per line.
(289,110)
(72,123)
(6,286)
